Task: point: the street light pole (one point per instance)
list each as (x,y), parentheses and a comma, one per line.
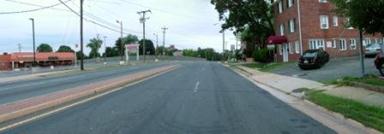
(157,43)
(81,37)
(121,39)
(34,41)
(105,47)
(143,20)
(362,53)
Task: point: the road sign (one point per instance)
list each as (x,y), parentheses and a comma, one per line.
(131,48)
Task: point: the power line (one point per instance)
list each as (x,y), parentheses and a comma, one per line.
(31,10)
(91,21)
(106,22)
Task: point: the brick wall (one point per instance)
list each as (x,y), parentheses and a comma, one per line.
(310,25)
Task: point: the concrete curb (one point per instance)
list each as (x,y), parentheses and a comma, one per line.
(32,105)
(334,115)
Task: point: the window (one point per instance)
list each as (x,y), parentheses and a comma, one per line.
(323,1)
(297,47)
(282,29)
(324,23)
(335,21)
(349,24)
(334,43)
(352,44)
(290,3)
(342,44)
(291,48)
(316,44)
(280,7)
(292,25)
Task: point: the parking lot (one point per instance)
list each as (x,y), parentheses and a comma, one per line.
(334,69)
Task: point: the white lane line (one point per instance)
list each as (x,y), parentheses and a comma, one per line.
(196,86)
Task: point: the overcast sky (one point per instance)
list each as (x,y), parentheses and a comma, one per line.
(191,23)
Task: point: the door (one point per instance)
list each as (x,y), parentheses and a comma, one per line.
(285,52)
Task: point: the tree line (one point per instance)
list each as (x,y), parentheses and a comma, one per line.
(118,49)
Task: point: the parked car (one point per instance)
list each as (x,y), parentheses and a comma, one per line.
(313,59)
(379,61)
(371,50)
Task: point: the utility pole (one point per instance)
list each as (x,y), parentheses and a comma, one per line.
(34,41)
(143,20)
(121,40)
(164,32)
(81,37)
(157,43)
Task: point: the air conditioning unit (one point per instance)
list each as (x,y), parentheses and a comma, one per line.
(324,26)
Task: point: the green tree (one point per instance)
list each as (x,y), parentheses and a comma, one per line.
(64,48)
(79,55)
(129,39)
(44,47)
(365,15)
(111,52)
(149,47)
(252,19)
(94,44)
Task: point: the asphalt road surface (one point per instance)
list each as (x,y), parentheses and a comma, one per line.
(197,98)
(334,69)
(18,90)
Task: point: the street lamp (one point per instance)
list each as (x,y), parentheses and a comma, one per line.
(121,39)
(157,43)
(34,41)
(105,47)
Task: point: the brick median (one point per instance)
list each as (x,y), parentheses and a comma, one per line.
(24,107)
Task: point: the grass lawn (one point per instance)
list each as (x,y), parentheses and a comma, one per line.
(370,82)
(370,116)
(265,67)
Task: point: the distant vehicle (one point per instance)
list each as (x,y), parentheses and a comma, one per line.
(379,61)
(312,59)
(371,50)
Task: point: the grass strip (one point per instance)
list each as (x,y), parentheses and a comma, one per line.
(370,116)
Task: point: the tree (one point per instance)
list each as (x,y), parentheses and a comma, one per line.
(44,47)
(64,48)
(365,15)
(253,19)
(149,47)
(111,52)
(94,44)
(79,55)
(129,39)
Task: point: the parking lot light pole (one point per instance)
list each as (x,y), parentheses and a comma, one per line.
(362,54)
(34,41)
(121,39)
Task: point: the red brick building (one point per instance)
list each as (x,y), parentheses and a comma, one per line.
(312,24)
(25,60)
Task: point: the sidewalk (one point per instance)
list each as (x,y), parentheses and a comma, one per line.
(289,84)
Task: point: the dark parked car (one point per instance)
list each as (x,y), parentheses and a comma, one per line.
(313,59)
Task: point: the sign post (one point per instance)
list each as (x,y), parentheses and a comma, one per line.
(131,48)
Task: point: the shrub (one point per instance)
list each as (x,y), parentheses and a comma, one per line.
(262,55)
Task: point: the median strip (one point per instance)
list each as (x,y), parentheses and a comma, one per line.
(32,105)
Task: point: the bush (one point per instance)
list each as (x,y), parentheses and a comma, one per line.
(262,55)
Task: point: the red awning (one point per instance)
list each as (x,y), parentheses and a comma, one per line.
(277,40)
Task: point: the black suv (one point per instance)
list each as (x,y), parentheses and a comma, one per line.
(313,59)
